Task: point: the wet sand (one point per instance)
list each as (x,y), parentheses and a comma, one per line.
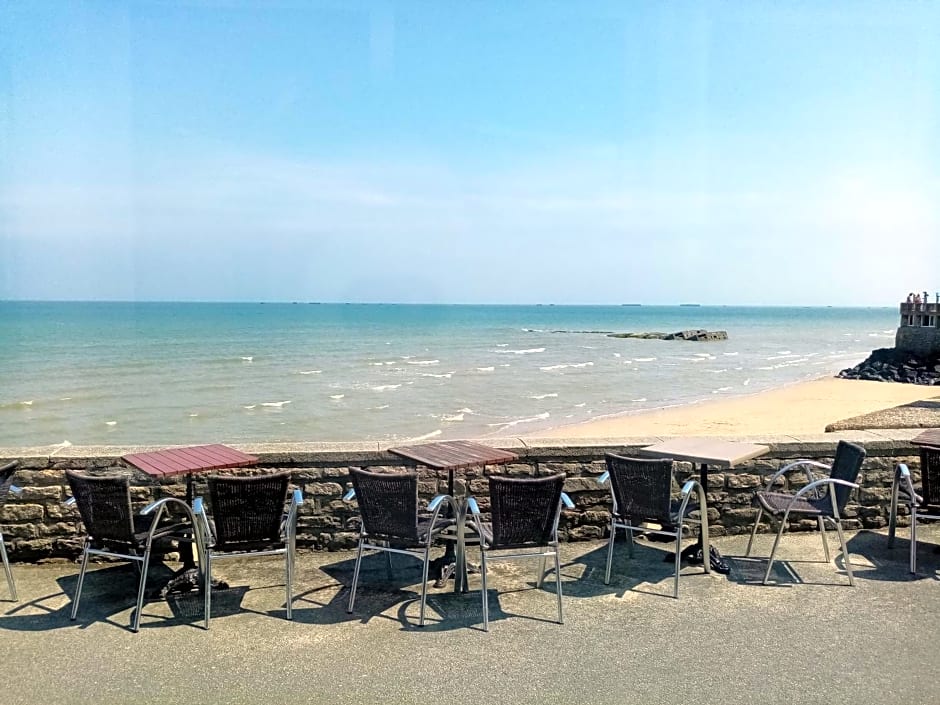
(803,408)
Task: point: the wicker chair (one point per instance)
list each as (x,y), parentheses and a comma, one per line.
(391,522)
(6,487)
(524,516)
(822,497)
(642,492)
(248,520)
(922,504)
(113,530)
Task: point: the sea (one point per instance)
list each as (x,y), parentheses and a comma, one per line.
(95,373)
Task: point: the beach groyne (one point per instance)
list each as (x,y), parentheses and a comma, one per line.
(37,525)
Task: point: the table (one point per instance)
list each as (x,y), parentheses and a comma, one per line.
(929,438)
(452,456)
(188,460)
(706,452)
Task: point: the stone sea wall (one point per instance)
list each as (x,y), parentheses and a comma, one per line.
(36,525)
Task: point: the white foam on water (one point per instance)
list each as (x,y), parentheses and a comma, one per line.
(465,410)
(337,396)
(543,396)
(781,356)
(485,369)
(248,358)
(581,405)
(516,422)
(385,387)
(616,354)
(27,403)
(746,382)
(550,368)
(275,404)
(65,399)
(446,375)
(533,330)
(730,353)
(193,415)
(505,365)
(110,423)
(378,408)
(644,359)
(426,436)
(250,406)
(639,400)
(454,417)
(527,351)
(424,362)
(316,372)
(721,389)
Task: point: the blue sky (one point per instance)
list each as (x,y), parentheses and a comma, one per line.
(512,152)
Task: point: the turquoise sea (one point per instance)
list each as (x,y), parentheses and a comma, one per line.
(166,373)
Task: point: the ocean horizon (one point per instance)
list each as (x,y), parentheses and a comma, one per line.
(154,373)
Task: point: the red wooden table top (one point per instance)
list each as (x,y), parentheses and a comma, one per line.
(177,461)
(454,455)
(928,438)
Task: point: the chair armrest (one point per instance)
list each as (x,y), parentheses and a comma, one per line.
(204,527)
(350,494)
(437,503)
(473,506)
(805,464)
(159,507)
(687,488)
(902,477)
(814,486)
(289,520)
(602,480)
(70,502)
(161,503)
(566,500)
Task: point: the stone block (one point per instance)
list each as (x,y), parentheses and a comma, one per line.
(323,489)
(743,481)
(21,512)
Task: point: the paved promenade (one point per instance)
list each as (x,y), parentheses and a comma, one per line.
(728,639)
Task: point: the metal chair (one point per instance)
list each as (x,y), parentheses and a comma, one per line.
(391,522)
(642,493)
(822,497)
(248,521)
(524,515)
(922,504)
(114,531)
(6,487)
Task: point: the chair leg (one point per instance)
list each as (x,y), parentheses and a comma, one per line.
(750,542)
(81,581)
(913,538)
(207,587)
(289,560)
(610,549)
(6,568)
(486,605)
(675,587)
(561,618)
(352,591)
(541,576)
(630,541)
(424,581)
(773,551)
(145,564)
(388,564)
(822,530)
(845,552)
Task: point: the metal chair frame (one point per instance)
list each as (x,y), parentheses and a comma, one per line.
(680,524)
(543,552)
(903,482)
(7,486)
(206,540)
(422,551)
(812,490)
(139,554)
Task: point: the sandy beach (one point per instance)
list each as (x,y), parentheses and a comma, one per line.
(803,408)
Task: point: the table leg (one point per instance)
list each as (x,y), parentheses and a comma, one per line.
(718,564)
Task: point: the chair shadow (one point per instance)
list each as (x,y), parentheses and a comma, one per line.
(107,592)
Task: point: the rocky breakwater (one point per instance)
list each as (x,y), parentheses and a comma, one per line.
(698,335)
(892,365)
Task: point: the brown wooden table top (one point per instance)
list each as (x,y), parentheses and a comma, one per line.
(725,454)
(178,461)
(454,455)
(930,437)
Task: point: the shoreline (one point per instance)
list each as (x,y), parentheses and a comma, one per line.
(799,408)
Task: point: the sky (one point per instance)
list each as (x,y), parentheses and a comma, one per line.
(757,153)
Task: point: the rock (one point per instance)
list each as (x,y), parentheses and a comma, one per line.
(696,335)
(891,365)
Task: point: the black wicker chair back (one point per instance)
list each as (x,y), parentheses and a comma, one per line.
(845,466)
(642,488)
(930,475)
(6,479)
(523,510)
(388,503)
(104,504)
(247,510)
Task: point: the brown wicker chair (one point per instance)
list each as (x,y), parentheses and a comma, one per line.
(822,497)
(115,531)
(641,490)
(248,520)
(922,503)
(6,487)
(392,523)
(524,515)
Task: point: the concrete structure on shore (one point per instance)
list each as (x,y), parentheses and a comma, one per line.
(919,331)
